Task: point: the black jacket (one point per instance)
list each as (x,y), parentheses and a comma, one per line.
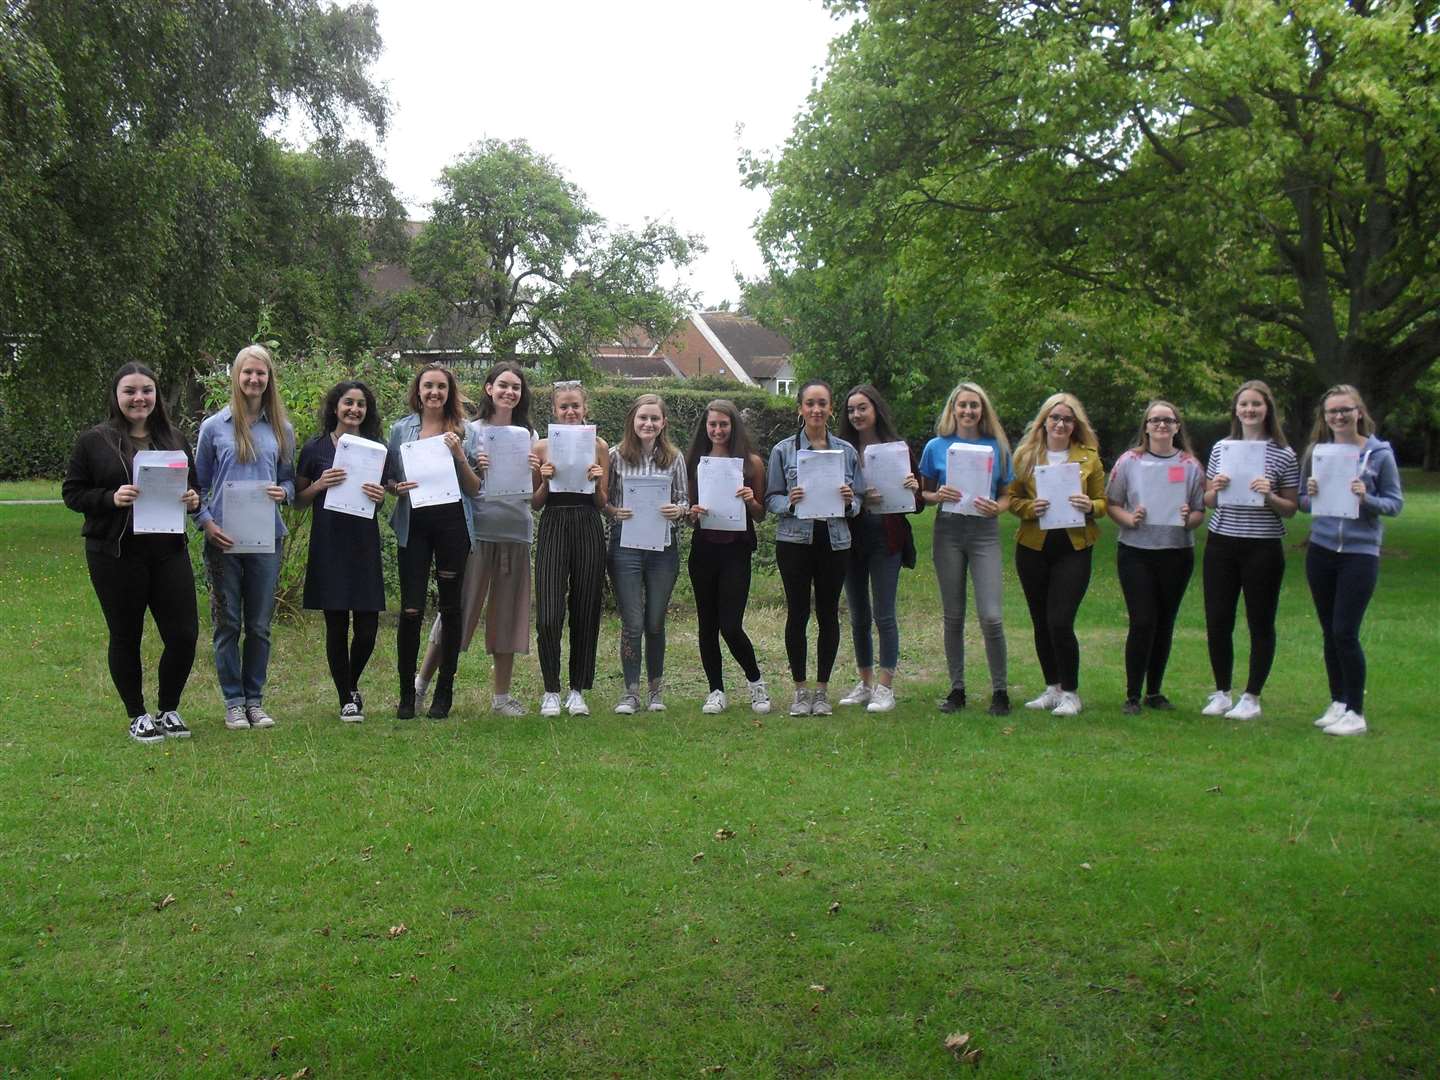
(98,466)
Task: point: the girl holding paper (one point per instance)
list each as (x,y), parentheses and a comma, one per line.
(569,562)
(970,539)
(1244,552)
(811,553)
(1155,555)
(250,440)
(1054,564)
(880,543)
(439,533)
(497,575)
(644,579)
(343,578)
(134,573)
(1342,561)
(720,559)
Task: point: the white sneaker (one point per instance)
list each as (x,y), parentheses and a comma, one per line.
(1069,705)
(549,704)
(882,699)
(235,718)
(575,704)
(258,717)
(801,705)
(759,697)
(505,705)
(715,703)
(629,702)
(1247,708)
(859,696)
(1048,700)
(657,703)
(421,689)
(1331,715)
(820,703)
(143,730)
(1217,704)
(1351,723)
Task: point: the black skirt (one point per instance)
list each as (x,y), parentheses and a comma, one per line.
(344,572)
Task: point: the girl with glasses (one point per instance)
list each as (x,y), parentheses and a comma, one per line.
(1154,557)
(1054,565)
(1342,560)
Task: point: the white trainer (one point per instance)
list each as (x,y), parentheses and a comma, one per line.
(759,697)
(575,704)
(861,695)
(258,717)
(1048,700)
(505,705)
(820,702)
(882,699)
(1247,708)
(1218,704)
(235,718)
(629,702)
(1069,705)
(549,704)
(715,703)
(1331,715)
(1352,723)
(801,705)
(657,703)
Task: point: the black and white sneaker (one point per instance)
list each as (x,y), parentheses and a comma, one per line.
(350,712)
(359,703)
(172,726)
(143,729)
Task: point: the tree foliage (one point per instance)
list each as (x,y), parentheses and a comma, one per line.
(1186,192)
(514,258)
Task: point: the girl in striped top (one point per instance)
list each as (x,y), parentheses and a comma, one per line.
(1244,553)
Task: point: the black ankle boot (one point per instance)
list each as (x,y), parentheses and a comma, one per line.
(440,700)
(406,709)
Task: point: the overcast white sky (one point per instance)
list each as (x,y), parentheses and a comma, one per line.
(637,101)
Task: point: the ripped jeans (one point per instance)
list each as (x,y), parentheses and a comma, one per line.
(438,533)
(643,582)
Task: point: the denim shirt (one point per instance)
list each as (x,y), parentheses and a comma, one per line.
(217,460)
(407,429)
(781,477)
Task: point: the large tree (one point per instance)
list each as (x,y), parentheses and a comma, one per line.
(1195,189)
(517,261)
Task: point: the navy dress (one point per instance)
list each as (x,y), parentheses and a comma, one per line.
(344,572)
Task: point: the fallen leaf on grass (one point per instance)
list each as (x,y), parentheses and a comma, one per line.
(161,905)
(1338,996)
(723,833)
(834,907)
(396,931)
(409,848)
(302,1073)
(275,1046)
(713,1069)
(819,988)
(699,855)
(1007,731)
(1213,790)
(959,1046)
(1086,866)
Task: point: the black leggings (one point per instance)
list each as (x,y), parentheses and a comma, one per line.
(1153,581)
(569,575)
(1054,580)
(348,658)
(151,572)
(1341,586)
(720,577)
(803,567)
(436,532)
(1234,565)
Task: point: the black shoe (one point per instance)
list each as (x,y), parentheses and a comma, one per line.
(1158,701)
(406,709)
(440,701)
(999,703)
(1131,707)
(359,703)
(954,701)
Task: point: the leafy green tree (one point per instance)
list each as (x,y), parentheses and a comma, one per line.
(1200,189)
(516,260)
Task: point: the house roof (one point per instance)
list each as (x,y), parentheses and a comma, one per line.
(630,366)
(758,350)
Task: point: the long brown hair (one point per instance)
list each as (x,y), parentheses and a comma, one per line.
(163,434)
(1027,453)
(885,430)
(454,414)
(701,446)
(630,448)
(270,405)
(1141,442)
(1321,433)
(1274,427)
(520,415)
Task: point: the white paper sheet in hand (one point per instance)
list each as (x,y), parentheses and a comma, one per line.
(162,477)
(248,517)
(718,478)
(1242,460)
(508,473)
(647,529)
(1335,466)
(1160,487)
(886,465)
(571,449)
(1055,484)
(970,470)
(429,463)
(821,473)
(364,463)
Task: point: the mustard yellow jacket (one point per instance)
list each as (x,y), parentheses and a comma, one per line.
(1092,482)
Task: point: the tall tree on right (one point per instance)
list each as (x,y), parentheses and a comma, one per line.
(1210,188)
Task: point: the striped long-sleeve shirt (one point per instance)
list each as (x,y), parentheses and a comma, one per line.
(676,470)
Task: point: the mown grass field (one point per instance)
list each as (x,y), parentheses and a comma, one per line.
(682,895)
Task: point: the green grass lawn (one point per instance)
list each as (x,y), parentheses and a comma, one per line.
(11,490)
(676,895)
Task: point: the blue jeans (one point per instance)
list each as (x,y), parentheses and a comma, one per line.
(643,582)
(874,576)
(242,593)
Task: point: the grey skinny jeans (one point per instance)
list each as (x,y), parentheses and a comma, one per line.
(960,543)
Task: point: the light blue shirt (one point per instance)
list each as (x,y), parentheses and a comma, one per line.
(217,460)
(780,478)
(407,429)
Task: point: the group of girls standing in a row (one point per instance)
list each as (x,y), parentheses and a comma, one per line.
(478,549)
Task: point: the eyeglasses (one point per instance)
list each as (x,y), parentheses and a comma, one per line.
(1344,410)
(1161,421)
(1056,420)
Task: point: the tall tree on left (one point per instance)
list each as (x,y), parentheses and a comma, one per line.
(146,210)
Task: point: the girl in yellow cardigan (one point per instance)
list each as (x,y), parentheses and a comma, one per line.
(1054,564)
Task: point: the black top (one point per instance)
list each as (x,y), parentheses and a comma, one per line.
(344,572)
(99,465)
